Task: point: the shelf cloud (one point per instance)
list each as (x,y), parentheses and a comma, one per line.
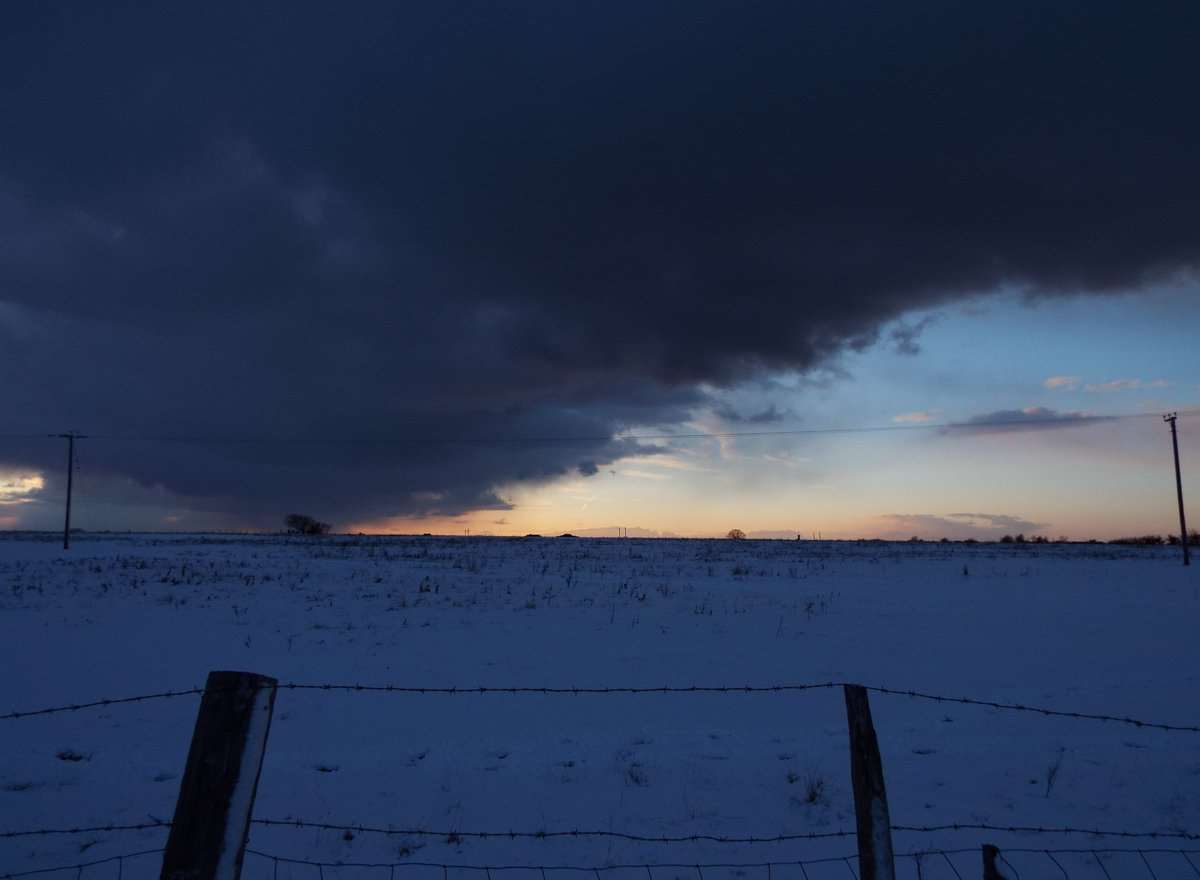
(445,248)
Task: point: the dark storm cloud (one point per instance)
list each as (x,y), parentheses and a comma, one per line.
(767,416)
(369,250)
(907,337)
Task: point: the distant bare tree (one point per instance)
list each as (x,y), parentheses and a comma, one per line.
(303,524)
(735,535)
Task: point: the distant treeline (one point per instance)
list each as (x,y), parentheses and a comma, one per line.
(1134,541)
(1158,540)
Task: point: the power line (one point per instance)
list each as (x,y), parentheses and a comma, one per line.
(1081,420)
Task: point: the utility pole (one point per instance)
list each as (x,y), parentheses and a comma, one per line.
(70,437)
(1183,532)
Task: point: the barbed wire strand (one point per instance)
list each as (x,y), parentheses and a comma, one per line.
(630,836)
(1039,710)
(1095,855)
(1079,851)
(560,691)
(593,869)
(547,835)
(1045,829)
(667,689)
(712,838)
(648,867)
(95,829)
(95,704)
(749,689)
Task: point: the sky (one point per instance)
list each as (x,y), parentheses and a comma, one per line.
(476,266)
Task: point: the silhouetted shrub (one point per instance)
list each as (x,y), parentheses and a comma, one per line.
(1141,541)
(735,535)
(303,524)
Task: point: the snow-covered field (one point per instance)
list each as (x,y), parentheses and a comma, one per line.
(1083,628)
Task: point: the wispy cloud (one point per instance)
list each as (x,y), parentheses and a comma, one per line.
(958,526)
(916,418)
(642,475)
(1126,385)
(1032,418)
(1063,383)
(679,461)
(906,337)
(786,458)
(768,416)
(615,531)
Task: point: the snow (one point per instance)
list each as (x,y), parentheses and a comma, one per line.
(1088,628)
(241,801)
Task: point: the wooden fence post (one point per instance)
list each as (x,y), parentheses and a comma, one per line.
(990,871)
(216,796)
(875,859)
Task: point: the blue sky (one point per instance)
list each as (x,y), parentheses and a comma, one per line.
(1111,355)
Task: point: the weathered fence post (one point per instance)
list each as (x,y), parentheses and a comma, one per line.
(216,796)
(875,858)
(990,871)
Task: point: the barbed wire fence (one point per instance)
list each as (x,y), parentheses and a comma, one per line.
(583,833)
(515,690)
(1170,862)
(243,694)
